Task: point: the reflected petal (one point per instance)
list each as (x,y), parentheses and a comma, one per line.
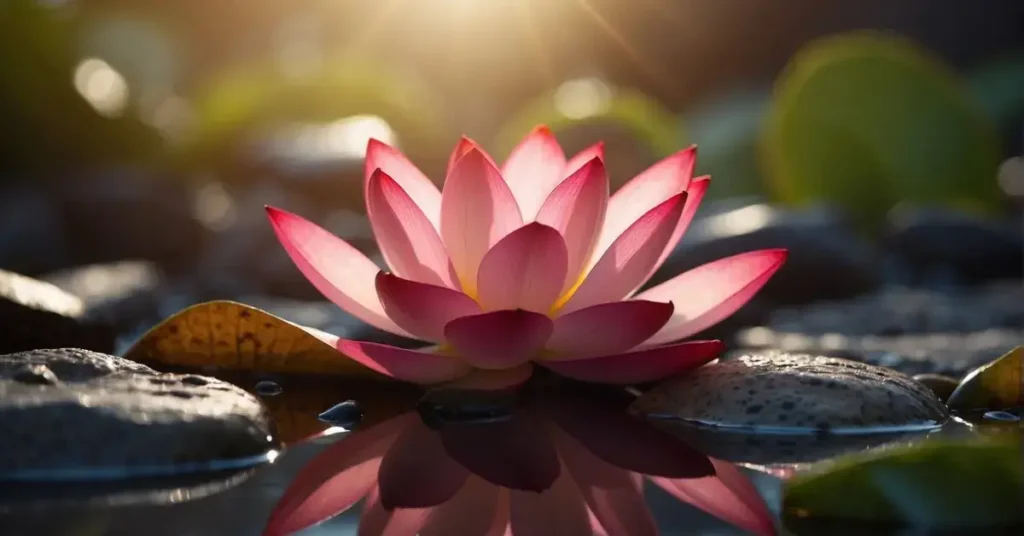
(516,453)
(417,472)
(478,509)
(379,521)
(558,511)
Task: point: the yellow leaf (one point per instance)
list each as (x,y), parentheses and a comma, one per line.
(997,385)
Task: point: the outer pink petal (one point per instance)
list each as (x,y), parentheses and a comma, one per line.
(339,271)
(533,169)
(407,239)
(694,195)
(629,259)
(477,210)
(335,479)
(557,511)
(416,472)
(607,328)
(647,190)
(576,208)
(475,510)
(641,366)
(524,270)
(463,147)
(711,292)
(500,339)
(613,494)
(422,309)
(586,155)
(414,366)
(423,192)
(493,380)
(379,521)
(728,495)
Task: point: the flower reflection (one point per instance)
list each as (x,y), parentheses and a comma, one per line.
(553,464)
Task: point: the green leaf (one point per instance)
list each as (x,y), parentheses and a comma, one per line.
(935,485)
(997,385)
(866,120)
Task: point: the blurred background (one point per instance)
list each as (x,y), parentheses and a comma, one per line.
(876,139)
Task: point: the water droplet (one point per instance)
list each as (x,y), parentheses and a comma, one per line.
(346,415)
(268,388)
(1005,416)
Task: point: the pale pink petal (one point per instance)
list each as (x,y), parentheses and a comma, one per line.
(524,270)
(407,239)
(576,209)
(477,210)
(694,195)
(422,309)
(581,158)
(607,328)
(379,521)
(667,178)
(640,366)
(533,169)
(416,472)
(711,292)
(493,380)
(499,339)
(557,511)
(335,479)
(339,271)
(416,366)
(463,147)
(728,495)
(476,510)
(423,192)
(614,495)
(629,259)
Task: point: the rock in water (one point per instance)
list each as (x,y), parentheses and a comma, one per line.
(98,412)
(39,315)
(794,392)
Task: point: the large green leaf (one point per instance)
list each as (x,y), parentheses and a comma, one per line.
(936,485)
(997,385)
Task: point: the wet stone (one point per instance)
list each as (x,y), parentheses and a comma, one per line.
(124,294)
(794,392)
(1004,416)
(346,414)
(83,410)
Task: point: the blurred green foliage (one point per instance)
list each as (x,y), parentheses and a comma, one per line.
(867,120)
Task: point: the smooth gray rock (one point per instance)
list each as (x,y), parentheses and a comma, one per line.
(70,409)
(794,392)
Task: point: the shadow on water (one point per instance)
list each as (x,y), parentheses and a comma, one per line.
(453,462)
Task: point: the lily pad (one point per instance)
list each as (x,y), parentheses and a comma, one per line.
(226,335)
(936,485)
(867,120)
(997,385)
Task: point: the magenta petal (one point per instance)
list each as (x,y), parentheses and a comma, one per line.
(339,271)
(524,270)
(608,328)
(516,453)
(629,259)
(335,479)
(533,169)
(711,292)
(477,210)
(475,510)
(576,209)
(728,495)
(625,441)
(416,366)
(640,366)
(558,511)
(379,521)
(462,149)
(581,158)
(493,380)
(500,339)
(407,239)
(420,189)
(614,495)
(422,309)
(694,195)
(417,472)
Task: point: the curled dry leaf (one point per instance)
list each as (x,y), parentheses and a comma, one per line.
(997,385)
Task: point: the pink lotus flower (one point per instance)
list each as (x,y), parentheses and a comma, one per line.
(530,263)
(565,467)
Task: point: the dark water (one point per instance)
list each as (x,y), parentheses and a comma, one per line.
(451,462)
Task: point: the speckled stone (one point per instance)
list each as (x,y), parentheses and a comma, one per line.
(74,409)
(794,391)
